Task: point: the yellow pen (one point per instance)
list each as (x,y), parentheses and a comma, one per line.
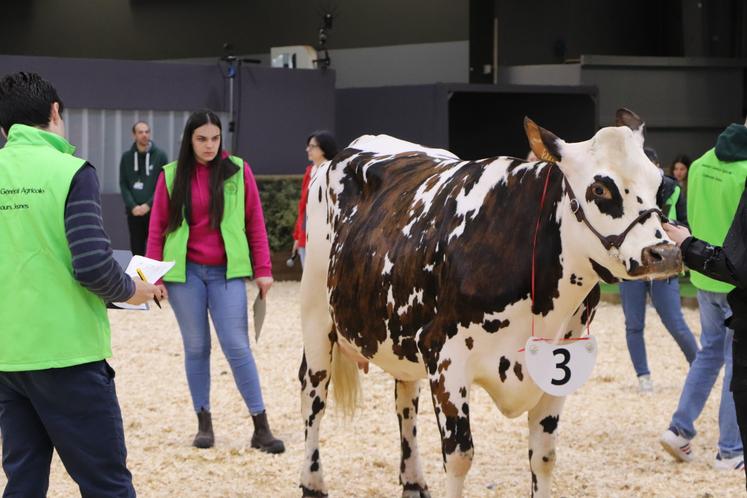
(142,277)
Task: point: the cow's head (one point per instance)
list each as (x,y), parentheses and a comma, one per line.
(614,185)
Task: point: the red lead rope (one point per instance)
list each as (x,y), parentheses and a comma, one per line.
(536,231)
(534,249)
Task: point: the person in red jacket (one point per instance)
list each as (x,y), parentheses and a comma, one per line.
(320,147)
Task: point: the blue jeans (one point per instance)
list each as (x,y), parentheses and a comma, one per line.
(665,295)
(302,255)
(206,289)
(715,339)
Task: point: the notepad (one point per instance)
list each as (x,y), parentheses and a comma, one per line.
(151,268)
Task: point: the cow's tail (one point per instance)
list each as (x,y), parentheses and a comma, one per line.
(346,386)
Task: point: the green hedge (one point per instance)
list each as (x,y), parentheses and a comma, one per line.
(687,289)
(279,196)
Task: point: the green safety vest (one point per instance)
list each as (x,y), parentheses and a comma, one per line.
(671,203)
(48,319)
(713,193)
(232,229)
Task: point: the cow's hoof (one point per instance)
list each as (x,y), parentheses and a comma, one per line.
(312,493)
(416,493)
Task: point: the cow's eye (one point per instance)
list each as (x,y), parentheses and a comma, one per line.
(601,191)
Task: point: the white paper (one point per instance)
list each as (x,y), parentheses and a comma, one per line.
(153,271)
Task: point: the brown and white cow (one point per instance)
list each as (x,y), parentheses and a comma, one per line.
(421,263)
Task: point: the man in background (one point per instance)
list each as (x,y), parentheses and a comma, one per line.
(138,171)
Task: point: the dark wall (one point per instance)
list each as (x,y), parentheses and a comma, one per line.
(560,30)
(278,110)
(115,220)
(110,84)
(486,124)
(166,29)
(473,121)
(278,107)
(686,102)
(414,113)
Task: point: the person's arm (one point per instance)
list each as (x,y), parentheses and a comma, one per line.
(256,233)
(159,220)
(299,230)
(93,265)
(124,186)
(709,260)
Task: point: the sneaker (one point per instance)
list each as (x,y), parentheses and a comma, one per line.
(733,463)
(677,446)
(645,384)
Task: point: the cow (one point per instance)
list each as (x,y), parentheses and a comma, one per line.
(422,263)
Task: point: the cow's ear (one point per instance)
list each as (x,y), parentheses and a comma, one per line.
(626,117)
(544,144)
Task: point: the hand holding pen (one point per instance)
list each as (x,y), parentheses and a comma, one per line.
(144,292)
(157,290)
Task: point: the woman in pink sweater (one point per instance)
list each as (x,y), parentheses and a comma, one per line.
(217,237)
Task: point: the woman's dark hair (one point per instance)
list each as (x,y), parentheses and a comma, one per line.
(326,142)
(26,98)
(220,169)
(682,158)
(652,155)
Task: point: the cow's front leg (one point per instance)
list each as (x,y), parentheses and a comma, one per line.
(543,425)
(410,471)
(450,392)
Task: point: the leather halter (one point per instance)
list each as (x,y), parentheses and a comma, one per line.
(608,241)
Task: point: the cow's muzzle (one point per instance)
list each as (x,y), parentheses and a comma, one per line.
(661,260)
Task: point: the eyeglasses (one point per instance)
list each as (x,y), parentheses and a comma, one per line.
(312,146)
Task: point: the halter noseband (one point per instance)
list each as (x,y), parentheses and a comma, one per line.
(608,241)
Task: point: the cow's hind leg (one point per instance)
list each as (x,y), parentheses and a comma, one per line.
(450,392)
(410,471)
(315,375)
(543,425)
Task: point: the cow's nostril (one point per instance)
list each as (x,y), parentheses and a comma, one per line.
(655,256)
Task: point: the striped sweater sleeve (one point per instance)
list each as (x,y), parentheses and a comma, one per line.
(93,264)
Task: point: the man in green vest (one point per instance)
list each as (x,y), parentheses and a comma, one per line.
(716,183)
(56,276)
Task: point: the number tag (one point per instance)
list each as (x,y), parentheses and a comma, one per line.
(560,369)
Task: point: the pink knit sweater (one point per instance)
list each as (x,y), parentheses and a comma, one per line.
(205,244)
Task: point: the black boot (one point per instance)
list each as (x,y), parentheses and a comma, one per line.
(262,438)
(205,437)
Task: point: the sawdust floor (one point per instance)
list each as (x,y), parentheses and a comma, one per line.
(608,430)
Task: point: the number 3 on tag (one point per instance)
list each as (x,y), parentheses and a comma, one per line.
(560,369)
